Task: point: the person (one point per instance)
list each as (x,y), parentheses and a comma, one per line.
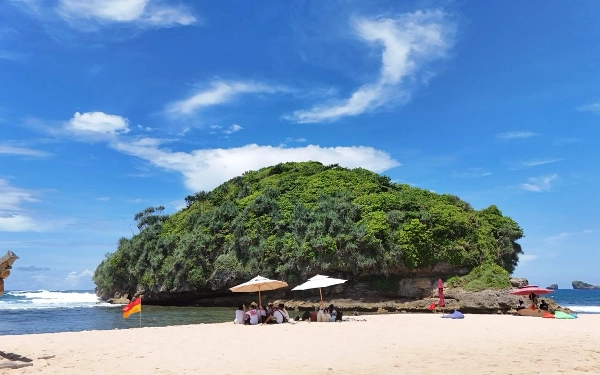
(306,316)
(323,314)
(543,305)
(533,298)
(270,309)
(332,313)
(240,314)
(521,305)
(263,313)
(286,315)
(278,316)
(253,315)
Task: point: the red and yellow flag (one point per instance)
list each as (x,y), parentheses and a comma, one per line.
(133,307)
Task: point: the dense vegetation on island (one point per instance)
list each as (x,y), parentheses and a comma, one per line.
(293,220)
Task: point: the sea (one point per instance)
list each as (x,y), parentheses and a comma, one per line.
(46,311)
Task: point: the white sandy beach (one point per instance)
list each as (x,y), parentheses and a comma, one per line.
(390,344)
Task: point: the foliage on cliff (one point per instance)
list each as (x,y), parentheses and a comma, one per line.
(482,277)
(293,220)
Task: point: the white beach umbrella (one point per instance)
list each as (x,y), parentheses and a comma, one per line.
(257,284)
(319,281)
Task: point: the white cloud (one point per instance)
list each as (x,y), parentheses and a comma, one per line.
(17,223)
(526,258)
(12,214)
(140,12)
(516,135)
(594,107)
(74,279)
(97,125)
(22,151)
(409,42)
(220,92)
(232,129)
(206,169)
(539,184)
(537,162)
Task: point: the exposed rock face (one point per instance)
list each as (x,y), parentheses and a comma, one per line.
(553,287)
(414,294)
(517,282)
(581,285)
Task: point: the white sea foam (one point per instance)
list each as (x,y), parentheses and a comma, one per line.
(45,299)
(585,309)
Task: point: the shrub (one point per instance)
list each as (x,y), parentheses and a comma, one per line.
(485,276)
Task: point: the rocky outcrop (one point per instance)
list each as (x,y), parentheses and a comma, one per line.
(581,285)
(381,295)
(553,287)
(517,282)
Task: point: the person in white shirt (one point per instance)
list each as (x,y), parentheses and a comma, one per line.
(240,314)
(276,318)
(253,314)
(286,315)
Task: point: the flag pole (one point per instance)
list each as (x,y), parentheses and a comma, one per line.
(140,311)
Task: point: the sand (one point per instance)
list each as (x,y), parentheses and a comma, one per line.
(382,344)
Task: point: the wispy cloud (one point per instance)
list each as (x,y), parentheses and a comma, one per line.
(593,107)
(205,169)
(22,151)
(220,92)
(409,42)
(516,135)
(8,39)
(537,162)
(13,216)
(471,173)
(141,12)
(89,14)
(526,258)
(566,235)
(232,129)
(539,184)
(33,269)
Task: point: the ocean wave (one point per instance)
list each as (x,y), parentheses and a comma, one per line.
(585,309)
(47,299)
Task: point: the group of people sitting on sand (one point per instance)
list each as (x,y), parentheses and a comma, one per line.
(533,298)
(258,315)
(277,314)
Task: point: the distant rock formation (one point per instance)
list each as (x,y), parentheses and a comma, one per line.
(581,285)
(553,287)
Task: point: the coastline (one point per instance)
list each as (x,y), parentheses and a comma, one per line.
(407,343)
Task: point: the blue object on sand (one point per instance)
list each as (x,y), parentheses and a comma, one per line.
(454,315)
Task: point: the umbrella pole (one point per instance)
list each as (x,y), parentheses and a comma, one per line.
(321,294)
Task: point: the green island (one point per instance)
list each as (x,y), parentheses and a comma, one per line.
(291,221)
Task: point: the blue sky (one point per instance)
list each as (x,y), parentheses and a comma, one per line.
(108,107)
